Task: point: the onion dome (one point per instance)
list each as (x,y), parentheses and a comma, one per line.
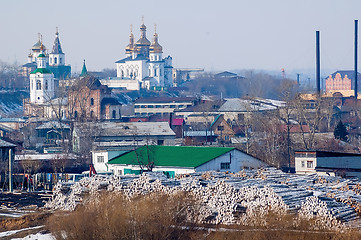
(155,47)
(129,48)
(36,46)
(143,41)
(142,45)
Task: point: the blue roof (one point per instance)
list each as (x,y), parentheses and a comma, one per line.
(139,57)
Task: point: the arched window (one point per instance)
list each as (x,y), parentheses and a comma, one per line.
(38,85)
(122,74)
(76,114)
(92,101)
(114,114)
(55,60)
(91,114)
(46,84)
(60,60)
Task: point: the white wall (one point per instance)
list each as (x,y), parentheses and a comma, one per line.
(42,95)
(304,169)
(103,167)
(121,83)
(119,169)
(237,159)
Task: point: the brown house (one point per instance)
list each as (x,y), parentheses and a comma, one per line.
(222,129)
(88,99)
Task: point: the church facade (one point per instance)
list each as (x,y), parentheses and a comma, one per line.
(55,60)
(144,65)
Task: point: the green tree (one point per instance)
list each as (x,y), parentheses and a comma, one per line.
(340,132)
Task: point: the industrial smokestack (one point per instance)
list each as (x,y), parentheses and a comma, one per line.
(318,73)
(356,28)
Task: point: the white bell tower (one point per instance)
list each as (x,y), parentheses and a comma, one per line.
(41,81)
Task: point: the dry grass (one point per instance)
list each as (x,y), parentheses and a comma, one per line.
(159,216)
(153,216)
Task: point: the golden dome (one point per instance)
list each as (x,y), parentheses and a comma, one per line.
(155,47)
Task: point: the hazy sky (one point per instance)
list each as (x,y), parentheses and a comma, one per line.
(215,35)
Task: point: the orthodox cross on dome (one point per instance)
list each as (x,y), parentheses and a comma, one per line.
(143,19)
(131,28)
(155,28)
(39,36)
(57,32)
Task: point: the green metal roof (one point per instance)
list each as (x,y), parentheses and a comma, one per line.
(84,71)
(41,55)
(41,70)
(171,156)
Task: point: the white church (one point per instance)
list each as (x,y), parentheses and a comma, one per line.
(143,66)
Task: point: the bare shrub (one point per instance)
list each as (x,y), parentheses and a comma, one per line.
(113,216)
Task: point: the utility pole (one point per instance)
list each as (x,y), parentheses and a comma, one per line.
(10,170)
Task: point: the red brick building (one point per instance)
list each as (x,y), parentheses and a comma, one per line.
(341,80)
(88,99)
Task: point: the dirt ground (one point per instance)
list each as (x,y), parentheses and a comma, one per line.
(23,200)
(22,210)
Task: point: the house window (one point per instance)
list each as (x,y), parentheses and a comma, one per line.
(46,84)
(91,114)
(309,164)
(100,159)
(75,114)
(38,85)
(60,60)
(92,101)
(114,113)
(303,164)
(160,142)
(55,60)
(119,172)
(226,165)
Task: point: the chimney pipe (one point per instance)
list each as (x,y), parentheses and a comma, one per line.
(356,90)
(318,72)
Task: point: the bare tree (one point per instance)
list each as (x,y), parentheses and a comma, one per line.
(308,113)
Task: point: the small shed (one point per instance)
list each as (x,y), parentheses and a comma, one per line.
(328,163)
